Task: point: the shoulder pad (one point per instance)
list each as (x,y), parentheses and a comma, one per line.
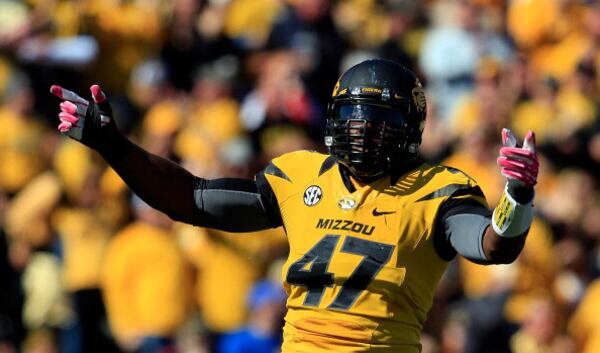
(299,165)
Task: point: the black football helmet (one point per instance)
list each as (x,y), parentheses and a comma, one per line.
(375,118)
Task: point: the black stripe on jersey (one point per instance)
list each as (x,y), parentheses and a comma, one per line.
(453,190)
(269,200)
(345,173)
(272,169)
(327,164)
(472,190)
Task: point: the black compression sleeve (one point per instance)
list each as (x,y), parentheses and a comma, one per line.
(226,204)
(460,226)
(233,205)
(269,199)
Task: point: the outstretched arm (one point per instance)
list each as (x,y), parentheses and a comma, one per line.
(161,183)
(227,204)
(467,227)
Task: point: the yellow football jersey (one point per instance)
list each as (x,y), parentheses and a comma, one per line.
(362,268)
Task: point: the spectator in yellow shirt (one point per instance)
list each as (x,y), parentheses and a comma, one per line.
(145,282)
(584,325)
(21,136)
(212,118)
(541,330)
(84,230)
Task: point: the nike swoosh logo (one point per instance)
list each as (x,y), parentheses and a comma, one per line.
(381,213)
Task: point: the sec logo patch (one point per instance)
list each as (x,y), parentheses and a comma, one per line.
(312,195)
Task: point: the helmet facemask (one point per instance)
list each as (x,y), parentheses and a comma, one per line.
(368,139)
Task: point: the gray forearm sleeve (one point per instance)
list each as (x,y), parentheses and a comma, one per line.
(233,205)
(465,232)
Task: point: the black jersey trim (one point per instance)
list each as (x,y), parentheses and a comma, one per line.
(327,164)
(345,175)
(272,169)
(230,204)
(453,190)
(269,199)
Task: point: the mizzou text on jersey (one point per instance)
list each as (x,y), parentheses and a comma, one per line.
(362,267)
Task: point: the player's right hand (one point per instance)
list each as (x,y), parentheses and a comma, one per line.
(81,119)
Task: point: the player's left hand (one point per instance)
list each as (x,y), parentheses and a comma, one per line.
(518,164)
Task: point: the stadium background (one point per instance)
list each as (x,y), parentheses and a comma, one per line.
(222,86)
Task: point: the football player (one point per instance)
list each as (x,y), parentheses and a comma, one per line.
(371,226)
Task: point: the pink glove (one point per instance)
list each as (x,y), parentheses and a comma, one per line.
(518,164)
(77,116)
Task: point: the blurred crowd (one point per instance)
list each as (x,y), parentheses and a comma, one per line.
(223,86)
